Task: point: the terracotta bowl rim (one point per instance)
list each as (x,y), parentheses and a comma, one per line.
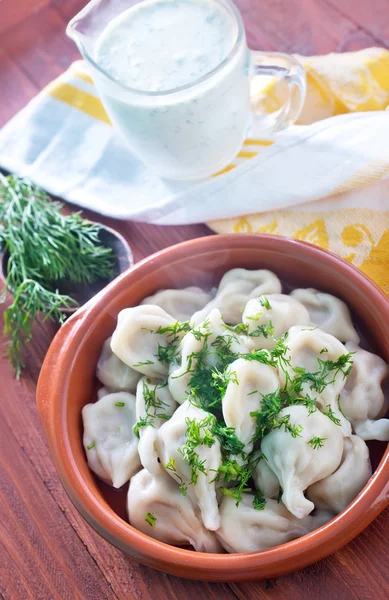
(218,567)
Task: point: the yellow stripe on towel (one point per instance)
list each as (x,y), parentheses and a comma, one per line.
(252,142)
(83,101)
(247,154)
(82,75)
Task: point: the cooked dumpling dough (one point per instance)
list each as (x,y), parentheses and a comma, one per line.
(135,340)
(277,311)
(212,328)
(154,405)
(110,443)
(114,374)
(329,313)
(336,491)
(181,304)
(177,520)
(249,382)
(102,392)
(235,290)
(295,462)
(362,399)
(265,480)
(172,438)
(306,348)
(245,529)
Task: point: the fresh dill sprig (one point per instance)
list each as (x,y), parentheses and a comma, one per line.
(259,501)
(316,442)
(239,475)
(264,301)
(154,406)
(198,433)
(150,519)
(44,248)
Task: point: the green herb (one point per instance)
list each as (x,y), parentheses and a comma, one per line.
(168,354)
(152,405)
(326,374)
(259,501)
(44,248)
(150,519)
(198,433)
(263,331)
(316,442)
(120,404)
(91,445)
(240,475)
(331,415)
(171,466)
(265,302)
(229,441)
(145,362)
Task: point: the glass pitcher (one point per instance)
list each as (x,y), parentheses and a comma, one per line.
(195,130)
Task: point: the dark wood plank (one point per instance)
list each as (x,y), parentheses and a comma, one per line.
(12,13)
(300,26)
(373,18)
(41,555)
(16,88)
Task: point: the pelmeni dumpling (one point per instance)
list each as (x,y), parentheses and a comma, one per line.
(156,507)
(201,486)
(135,340)
(295,461)
(181,304)
(336,491)
(154,406)
(248,382)
(114,374)
(265,480)
(270,316)
(102,392)
(207,334)
(110,443)
(362,399)
(235,290)
(329,313)
(308,349)
(245,529)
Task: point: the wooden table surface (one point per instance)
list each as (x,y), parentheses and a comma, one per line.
(47,551)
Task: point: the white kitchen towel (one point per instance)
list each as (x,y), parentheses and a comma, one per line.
(63,141)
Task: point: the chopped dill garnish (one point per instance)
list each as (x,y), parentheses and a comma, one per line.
(91,445)
(331,415)
(263,300)
(229,441)
(120,404)
(168,354)
(239,475)
(316,442)
(152,405)
(198,433)
(259,501)
(150,519)
(263,331)
(145,362)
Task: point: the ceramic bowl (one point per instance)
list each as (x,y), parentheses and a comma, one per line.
(67,383)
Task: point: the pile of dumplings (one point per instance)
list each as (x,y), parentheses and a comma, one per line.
(239,417)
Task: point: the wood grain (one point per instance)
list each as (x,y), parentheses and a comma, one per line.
(47,551)
(12,13)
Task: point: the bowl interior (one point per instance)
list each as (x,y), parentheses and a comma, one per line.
(204,268)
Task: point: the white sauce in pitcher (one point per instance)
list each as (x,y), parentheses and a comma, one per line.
(161,45)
